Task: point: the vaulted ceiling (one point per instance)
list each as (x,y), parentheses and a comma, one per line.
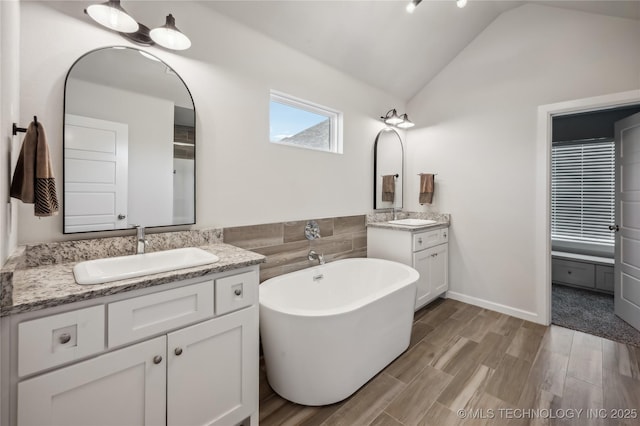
(381,44)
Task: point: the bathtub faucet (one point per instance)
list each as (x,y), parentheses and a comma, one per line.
(315,256)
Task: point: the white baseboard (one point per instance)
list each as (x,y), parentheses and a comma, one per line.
(503,309)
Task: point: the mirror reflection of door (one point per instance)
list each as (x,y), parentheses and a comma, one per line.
(388,170)
(95,176)
(143,94)
(627,259)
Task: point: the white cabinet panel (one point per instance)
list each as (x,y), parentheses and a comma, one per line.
(425,251)
(134,319)
(223,350)
(58,339)
(125,387)
(439,276)
(236,291)
(422,264)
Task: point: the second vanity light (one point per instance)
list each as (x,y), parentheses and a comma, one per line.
(393,119)
(113,16)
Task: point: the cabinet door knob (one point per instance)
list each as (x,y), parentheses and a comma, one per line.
(178,351)
(121,216)
(65,338)
(614,228)
(157,359)
(569,272)
(419,240)
(237,292)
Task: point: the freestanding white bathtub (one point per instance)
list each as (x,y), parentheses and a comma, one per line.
(327,330)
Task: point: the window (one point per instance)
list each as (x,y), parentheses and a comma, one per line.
(582,192)
(303,124)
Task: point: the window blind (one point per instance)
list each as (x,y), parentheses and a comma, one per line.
(582,192)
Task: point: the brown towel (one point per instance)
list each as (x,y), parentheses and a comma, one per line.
(426,188)
(33,180)
(388,187)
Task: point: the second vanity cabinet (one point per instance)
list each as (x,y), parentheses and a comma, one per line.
(186,355)
(425,251)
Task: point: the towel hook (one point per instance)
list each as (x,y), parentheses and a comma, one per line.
(17,129)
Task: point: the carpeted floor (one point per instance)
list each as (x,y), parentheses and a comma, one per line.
(590,312)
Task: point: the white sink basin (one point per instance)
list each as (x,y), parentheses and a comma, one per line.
(119,268)
(413,222)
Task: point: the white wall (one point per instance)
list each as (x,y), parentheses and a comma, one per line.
(241,177)
(9,113)
(476,128)
(150,123)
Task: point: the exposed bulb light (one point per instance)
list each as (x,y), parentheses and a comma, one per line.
(393,119)
(170,36)
(412,5)
(461,3)
(111,15)
(405,123)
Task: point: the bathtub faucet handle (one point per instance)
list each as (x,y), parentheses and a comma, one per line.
(313,255)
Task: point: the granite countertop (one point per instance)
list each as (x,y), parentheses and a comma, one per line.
(387,225)
(381,220)
(27,289)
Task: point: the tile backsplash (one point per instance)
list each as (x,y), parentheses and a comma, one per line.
(286,247)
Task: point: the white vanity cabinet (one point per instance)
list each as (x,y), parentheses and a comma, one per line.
(425,251)
(166,358)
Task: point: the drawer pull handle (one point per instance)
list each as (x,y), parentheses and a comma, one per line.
(419,240)
(569,272)
(157,359)
(237,292)
(178,351)
(65,338)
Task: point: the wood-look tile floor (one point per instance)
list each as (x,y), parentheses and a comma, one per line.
(470,366)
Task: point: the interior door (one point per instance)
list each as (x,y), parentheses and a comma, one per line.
(627,252)
(95,175)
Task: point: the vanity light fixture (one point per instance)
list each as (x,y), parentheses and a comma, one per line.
(113,16)
(393,119)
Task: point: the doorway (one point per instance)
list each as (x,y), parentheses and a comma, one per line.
(582,229)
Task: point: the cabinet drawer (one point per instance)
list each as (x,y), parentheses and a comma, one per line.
(604,278)
(423,240)
(236,291)
(576,273)
(57,339)
(143,316)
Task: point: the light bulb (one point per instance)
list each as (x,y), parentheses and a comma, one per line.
(411,7)
(112,16)
(169,36)
(461,3)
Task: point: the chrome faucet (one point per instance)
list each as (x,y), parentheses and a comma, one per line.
(316,256)
(395,213)
(141,242)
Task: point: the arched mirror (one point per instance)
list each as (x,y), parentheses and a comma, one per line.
(388,170)
(129,143)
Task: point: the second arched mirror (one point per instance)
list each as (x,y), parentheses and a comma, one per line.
(129,143)
(388,170)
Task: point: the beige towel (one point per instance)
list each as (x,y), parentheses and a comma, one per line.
(388,187)
(33,180)
(427,185)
